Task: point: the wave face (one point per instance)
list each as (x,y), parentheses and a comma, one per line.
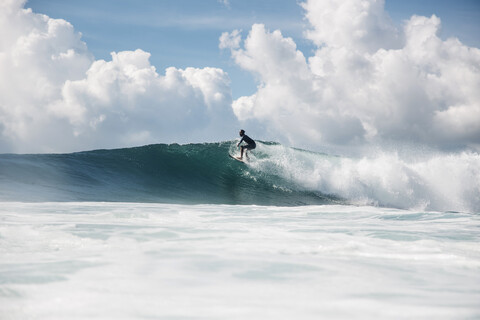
(190,174)
(276,175)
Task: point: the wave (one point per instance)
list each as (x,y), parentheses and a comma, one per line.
(275,175)
(192,174)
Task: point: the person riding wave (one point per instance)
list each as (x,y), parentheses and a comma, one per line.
(250,144)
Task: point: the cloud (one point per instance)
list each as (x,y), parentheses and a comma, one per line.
(126,98)
(230,40)
(291,99)
(226,3)
(367,81)
(54,96)
(356,25)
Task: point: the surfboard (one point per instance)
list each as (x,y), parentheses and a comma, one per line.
(238,159)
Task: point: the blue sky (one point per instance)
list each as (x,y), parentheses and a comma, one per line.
(185,33)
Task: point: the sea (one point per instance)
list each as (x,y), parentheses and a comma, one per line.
(171,231)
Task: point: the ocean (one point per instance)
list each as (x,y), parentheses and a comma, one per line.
(185,232)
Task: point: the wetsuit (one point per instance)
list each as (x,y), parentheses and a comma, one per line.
(250,143)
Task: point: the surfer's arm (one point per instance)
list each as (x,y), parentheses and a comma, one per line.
(238,144)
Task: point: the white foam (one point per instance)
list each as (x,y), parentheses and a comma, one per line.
(431,182)
(134,261)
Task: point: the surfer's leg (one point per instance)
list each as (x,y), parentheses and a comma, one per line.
(247,148)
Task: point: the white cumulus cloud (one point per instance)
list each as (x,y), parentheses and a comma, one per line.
(126,98)
(54,96)
(367,81)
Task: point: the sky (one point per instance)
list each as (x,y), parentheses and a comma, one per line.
(80,75)
(184,33)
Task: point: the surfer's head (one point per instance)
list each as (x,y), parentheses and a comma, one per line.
(242,132)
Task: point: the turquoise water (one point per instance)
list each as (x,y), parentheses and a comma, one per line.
(192,174)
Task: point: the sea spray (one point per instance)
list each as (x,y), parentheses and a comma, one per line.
(441,181)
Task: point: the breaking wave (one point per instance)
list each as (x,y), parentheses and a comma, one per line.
(275,175)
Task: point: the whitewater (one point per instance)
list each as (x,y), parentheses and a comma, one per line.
(185,232)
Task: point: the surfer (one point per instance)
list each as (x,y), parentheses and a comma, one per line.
(250,144)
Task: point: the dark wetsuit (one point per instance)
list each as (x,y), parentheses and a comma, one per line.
(250,143)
